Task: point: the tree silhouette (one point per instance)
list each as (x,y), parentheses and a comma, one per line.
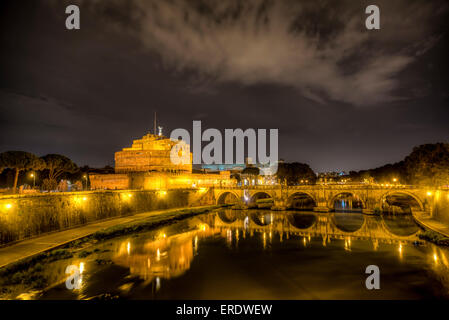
(19,161)
(57,165)
(292,173)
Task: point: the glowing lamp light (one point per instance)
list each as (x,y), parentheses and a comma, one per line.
(8,206)
(429,193)
(84,198)
(162,193)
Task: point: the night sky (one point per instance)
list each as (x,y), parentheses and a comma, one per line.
(343,97)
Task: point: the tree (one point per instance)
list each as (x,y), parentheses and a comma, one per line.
(428,164)
(57,165)
(237,177)
(251,171)
(19,161)
(292,173)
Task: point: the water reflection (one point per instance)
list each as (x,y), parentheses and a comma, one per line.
(164,257)
(219,245)
(171,255)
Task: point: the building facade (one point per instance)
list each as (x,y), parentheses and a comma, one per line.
(147,165)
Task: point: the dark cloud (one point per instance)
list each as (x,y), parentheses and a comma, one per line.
(342,97)
(322,49)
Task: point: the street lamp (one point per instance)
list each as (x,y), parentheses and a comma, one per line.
(85,177)
(395,180)
(32,175)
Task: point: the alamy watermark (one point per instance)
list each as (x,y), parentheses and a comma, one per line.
(372,22)
(373,280)
(212,153)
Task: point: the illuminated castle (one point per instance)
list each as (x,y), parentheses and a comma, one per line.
(147,165)
(150,153)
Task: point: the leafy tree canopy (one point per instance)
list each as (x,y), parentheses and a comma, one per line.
(57,165)
(19,161)
(253,171)
(427,164)
(293,173)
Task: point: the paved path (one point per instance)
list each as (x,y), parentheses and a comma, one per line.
(27,248)
(433,224)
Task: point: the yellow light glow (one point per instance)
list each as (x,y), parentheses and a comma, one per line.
(429,193)
(202,190)
(435,257)
(81,267)
(128,247)
(8,206)
(395,180)
(162,193)
(84,198)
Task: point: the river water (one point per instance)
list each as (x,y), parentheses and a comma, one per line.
(260,254)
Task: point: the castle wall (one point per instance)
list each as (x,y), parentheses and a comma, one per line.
(159,180)
(109,181)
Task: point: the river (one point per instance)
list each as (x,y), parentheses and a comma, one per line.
(260,254)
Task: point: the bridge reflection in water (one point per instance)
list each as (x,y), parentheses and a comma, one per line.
(297,255)
(169,256)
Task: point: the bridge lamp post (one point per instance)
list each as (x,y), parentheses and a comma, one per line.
(85,178)
(32,175)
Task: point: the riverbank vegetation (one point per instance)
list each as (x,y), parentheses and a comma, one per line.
(434,237)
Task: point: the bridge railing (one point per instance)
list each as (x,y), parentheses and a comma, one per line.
(320,186)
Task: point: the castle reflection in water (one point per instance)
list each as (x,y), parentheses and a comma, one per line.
(170,252)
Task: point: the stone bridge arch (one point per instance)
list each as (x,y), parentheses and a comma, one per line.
(261,194)
(228,197)
(416,198)
(355,196)
(308,200)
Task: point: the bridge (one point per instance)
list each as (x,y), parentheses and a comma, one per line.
(332,197)
(326,226)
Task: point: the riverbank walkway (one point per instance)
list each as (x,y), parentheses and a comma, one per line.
(30,247)
(433,224)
